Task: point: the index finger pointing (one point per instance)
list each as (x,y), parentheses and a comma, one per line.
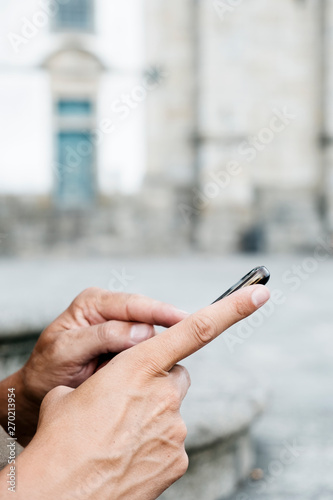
(187,337)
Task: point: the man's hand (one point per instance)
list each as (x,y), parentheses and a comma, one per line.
(120,434)
(97,322)
(67,353)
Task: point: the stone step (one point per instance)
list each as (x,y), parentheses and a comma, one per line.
(219,413)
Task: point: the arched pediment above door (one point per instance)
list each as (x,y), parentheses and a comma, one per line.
(73,62)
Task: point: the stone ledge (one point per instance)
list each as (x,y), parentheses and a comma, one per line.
(215,472)
(219,414)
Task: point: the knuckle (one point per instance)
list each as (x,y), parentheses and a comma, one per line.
(182,464)
(103,332)
(186,375)
(88,295)
(57,392)
(51,405)
(58,346)
(47,338)
(90,291)
(203,329)
(86,302)
(188,379)
(50,344)
(131,300)
(173,399)
(241,308)
(50,398)
(182,431)
(103,295)
(141,363)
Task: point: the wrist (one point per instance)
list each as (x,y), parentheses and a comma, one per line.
(11,382)
(35,479)
(45,471)
(26,408)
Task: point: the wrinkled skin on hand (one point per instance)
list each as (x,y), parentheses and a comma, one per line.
(98,322)
(120,435)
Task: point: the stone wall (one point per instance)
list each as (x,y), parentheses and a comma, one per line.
(121,226)
(249,90)
(238,134)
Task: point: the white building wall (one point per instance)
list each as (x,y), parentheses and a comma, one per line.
(254,63)
(26,129)
(26,133)
(224,80)
(122,148)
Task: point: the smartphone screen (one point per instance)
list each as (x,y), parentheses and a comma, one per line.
(258,276)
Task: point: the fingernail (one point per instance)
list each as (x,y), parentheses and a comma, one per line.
(260,296)
(140,333)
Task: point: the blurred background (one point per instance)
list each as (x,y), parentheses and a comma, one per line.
(162,127)
(167,147)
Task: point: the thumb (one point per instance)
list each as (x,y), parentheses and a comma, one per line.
(193,333)
(84,344)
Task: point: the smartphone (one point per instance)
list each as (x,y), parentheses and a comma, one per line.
(258,276)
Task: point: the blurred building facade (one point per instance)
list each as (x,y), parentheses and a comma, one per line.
(160,126)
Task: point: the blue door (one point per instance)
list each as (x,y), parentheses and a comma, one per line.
(75,169)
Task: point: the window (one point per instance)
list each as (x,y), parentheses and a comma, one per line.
(75,15)
(70,108)
(75,153)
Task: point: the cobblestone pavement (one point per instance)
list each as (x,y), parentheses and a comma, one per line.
(288,346)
